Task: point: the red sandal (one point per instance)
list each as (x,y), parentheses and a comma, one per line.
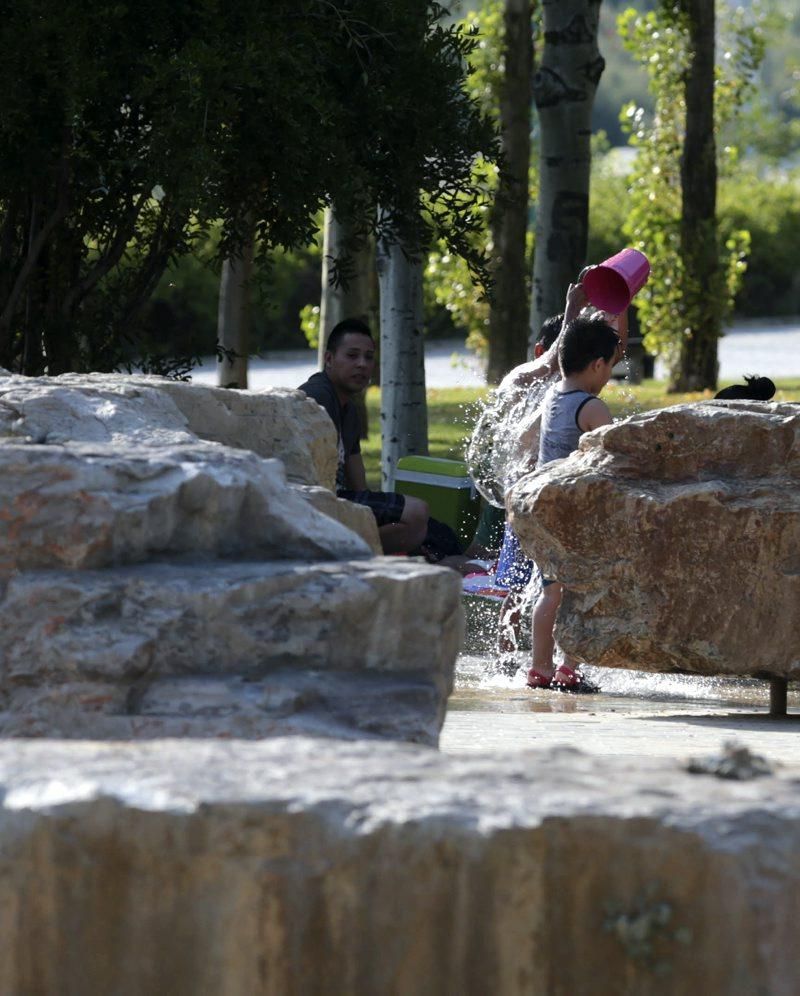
(536,680)
(566,679)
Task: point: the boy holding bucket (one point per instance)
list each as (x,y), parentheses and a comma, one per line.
(514,569)
(588,349)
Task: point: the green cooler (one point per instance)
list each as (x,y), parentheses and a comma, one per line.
(447,488)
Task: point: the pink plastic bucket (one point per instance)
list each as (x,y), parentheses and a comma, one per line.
(612,285)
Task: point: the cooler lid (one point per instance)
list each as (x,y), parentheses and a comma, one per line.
(433,465)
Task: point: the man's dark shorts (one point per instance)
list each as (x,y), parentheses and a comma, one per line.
(387,506)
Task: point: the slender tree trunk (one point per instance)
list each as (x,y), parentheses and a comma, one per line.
(564,87)
(233,319)
(404,410)
(698,364)
(508,313)
(355,298)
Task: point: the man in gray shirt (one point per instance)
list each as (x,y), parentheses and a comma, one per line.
(349,360)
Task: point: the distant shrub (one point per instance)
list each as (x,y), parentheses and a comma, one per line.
(769,208)
(770,211)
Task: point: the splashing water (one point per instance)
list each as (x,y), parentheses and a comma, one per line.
(505,443)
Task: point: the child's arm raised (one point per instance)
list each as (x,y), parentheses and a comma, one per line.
(547,364)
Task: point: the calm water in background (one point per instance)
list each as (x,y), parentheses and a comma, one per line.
(767,348)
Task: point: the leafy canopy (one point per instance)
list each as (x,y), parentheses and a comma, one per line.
(127,130)
(659,40)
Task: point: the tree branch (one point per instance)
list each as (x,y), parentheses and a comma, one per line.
(107,262)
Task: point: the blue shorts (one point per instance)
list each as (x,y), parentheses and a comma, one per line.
(514,569)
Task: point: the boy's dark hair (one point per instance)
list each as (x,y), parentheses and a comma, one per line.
(338,332)
(548,333)
(584,340)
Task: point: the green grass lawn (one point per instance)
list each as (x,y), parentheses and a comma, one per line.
(452,413)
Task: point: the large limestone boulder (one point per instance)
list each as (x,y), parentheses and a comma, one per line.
(114,407)
(358,518)
(154,583)
(276,422)
(240,649)
(310,866)
(677,534)
(84,505)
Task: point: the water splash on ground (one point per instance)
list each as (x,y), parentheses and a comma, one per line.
(480,685)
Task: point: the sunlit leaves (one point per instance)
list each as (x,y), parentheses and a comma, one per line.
(659,41)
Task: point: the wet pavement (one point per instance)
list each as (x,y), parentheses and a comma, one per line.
(639,714)
(766,348)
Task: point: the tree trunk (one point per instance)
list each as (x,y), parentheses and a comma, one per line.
(697,365)
(564,87)
(233,319)
(508,312)
(355,298)
(404,410)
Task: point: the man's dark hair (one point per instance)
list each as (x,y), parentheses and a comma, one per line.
(584,340)
(338,332)
(548,333)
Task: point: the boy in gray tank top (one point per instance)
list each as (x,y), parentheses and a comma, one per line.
(587,351)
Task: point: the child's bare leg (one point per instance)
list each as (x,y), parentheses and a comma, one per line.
(544,619)
(508,623)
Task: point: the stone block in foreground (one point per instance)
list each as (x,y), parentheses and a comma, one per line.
(677,533)
(352,648)
(89,505)
(304,865)
(123,409)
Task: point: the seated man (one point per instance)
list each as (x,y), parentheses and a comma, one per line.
(349,359)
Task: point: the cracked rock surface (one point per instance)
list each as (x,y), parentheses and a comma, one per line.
(677,535)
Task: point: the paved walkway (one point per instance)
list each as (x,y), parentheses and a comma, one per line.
(640,715)
(770,349)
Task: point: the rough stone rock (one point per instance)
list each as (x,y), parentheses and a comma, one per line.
(91,505)
(677,534)
(111,407)
(303,865)
(243,649)
(359,518)
(90,408)
(155,583)
(276,422)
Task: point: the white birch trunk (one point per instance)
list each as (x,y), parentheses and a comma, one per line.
(357,299)
(404,412)
(564,87)
(233,319)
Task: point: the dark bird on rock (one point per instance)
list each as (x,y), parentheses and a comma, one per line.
(753,389)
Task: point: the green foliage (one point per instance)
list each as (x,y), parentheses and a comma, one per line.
(128,131)
(768,129)
(769,209)
(448,279)
(608,205)
(309,324)
(659,40)
(181,318)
